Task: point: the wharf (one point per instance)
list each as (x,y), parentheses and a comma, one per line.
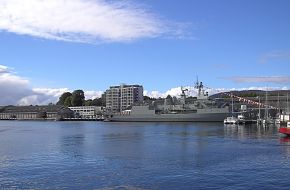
(81,119)
(250,121)
(52,119)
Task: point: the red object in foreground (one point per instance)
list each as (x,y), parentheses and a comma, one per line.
(285,130)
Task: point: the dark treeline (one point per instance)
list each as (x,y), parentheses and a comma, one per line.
(77,98)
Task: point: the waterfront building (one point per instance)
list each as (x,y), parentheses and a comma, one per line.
(119,98)
(87,112)
(52,112)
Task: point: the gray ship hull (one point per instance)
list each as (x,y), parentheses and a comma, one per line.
(192,117)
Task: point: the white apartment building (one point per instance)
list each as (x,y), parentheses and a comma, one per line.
(118,98)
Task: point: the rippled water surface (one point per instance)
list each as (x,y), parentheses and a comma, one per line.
(102,155)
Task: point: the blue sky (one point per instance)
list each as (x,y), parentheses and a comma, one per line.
(227,44)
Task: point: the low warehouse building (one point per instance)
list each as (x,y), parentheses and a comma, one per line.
(53,112)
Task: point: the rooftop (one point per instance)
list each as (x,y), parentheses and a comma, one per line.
(15,109)
(125,86)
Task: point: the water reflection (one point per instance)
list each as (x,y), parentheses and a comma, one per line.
(72,140)
(121,187)
(260,132)
(96,155)
(285,139)
(251,131)
(285,143)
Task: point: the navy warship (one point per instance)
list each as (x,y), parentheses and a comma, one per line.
(200,109)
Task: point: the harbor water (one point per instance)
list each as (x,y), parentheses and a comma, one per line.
(104,155)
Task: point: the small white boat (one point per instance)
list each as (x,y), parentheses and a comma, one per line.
(231,120)
(277,121)
(241,119)
(259,121)
(268,121)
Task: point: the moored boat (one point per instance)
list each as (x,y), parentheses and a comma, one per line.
(231,120)
(285,130)
(241,119)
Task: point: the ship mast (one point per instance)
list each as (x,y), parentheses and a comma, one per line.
(197,86)
(183,96)
(278,103)
(201,95)
(287,110)
(266,104)
(232,104)
(259,108)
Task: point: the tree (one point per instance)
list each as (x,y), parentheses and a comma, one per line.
(168,100)
(147,98)
(89,102)
(78,98)
(67,101)
(168,97)
(94,102)
(97,102)
(65,113)
(63,97)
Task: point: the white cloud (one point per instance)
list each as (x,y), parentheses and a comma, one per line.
(12,86)
(16,90)
(90,94)
(3,69)
(262,79)
(176,91)
(55,92)
(280,55)
(153,94)
(44,96)
(86,21)
(29,100)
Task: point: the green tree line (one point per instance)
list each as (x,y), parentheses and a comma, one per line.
(77,98)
